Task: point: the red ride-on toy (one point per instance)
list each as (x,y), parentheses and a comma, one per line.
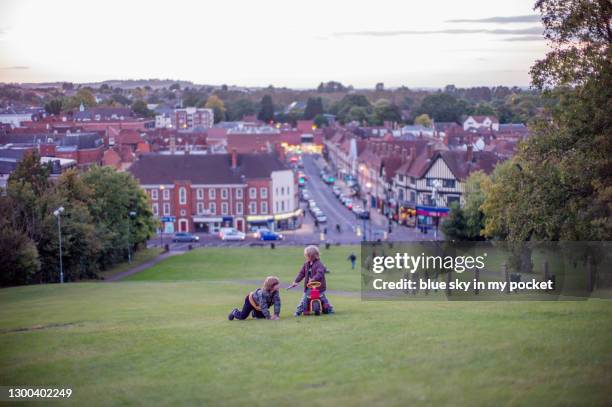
(315,306)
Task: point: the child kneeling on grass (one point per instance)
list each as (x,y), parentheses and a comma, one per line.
(259,301)
(312,270)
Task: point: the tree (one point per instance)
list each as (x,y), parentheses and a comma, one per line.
(559,186)
(140,108)
(238,109)
(314,107)
(467,223)
(443,107)
(114,195)
(175,86)
(423,120)
(342,108)
(54,107)
(484,109)
(215,103)
(266,111)
(321,121)
(385,111)
(379,87)
(18,252)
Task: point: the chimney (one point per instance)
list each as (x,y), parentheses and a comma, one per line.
(234,159)
(413,153)
(446,137)
(429,150)
(470,153)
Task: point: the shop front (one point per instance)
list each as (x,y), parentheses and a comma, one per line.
(207,224)
(428,217)
(288,221)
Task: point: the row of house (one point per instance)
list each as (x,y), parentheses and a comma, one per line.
(403,178)
(202,193)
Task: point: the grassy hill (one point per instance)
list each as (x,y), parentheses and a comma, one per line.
(162,338)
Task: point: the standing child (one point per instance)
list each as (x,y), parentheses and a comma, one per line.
(259,302)
(353,259)
(312,270)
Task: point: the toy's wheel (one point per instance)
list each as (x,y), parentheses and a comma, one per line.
(316,307)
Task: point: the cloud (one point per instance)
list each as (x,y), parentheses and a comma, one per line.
(500,31)
(499,20)
(15,68)
(525,38)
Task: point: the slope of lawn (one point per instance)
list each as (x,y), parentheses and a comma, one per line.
(166,342)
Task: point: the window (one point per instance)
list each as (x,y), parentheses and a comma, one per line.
(400,195)
(276,206)
(430,182)
(213,208)
(448,183)
(451,199)
(166,194)
(239,208)
(253,208)
(183,212)
(166,209)
(200,193)
(224,193)
(239,193)
(264,208)
(263,192)
(182,195)
(223,208)
(154,194)
(282,191)
(212,193)
(252,193)
(412,196)
(412,180)
(200,208)
(282,206)
(155,209)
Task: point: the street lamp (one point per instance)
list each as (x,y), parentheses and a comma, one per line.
(132,214)
(58,213)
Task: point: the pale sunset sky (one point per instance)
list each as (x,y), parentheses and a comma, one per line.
(281,42)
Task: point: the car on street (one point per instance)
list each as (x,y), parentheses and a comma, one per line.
(184,237)
(348,202)
(312,203)
(321,218)
(305,195)
(336,190)
(231,234)
(269,235)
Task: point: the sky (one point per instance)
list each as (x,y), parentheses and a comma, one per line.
(425,43)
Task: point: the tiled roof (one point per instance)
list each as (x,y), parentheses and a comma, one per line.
(204,169)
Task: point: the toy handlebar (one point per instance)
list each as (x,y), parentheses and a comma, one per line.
(313,284)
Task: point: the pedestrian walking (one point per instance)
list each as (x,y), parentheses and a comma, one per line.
(353,259)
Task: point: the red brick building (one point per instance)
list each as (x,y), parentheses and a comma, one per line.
(206,192)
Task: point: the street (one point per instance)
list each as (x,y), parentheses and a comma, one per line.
(351,228)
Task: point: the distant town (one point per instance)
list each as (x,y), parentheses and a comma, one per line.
(211,158)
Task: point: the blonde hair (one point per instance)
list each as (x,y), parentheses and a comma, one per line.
(312,252)
(270,282)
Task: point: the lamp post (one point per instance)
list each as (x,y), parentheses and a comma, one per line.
(58,215)
(163,224)
(434,195)
(132,214)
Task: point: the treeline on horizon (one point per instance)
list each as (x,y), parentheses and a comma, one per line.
(366,106)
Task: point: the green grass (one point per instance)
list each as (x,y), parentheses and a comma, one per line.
(141,256)
(162,342)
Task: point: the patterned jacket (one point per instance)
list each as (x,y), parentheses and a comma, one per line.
(263,299)
(314,271)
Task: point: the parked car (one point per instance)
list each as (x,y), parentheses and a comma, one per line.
(185,237)
(336,190)
(348,202)
(231,234)
(312,203)
(363,214)
(305,195)
(357,208)
(257,231)
(321,218)
(330,179)
(269,235)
